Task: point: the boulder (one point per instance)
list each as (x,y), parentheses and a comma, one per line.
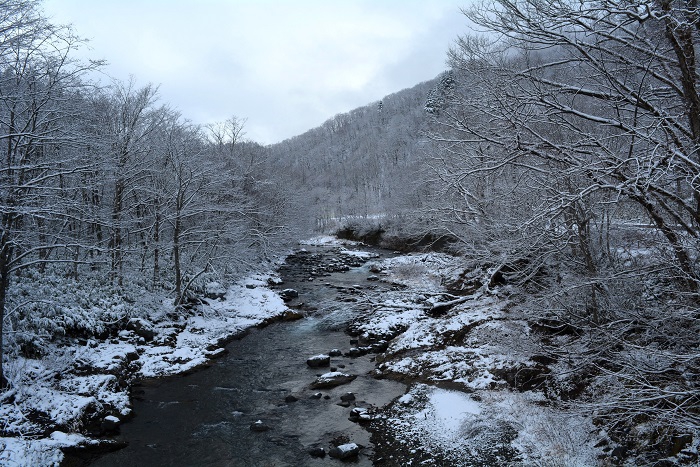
(214,291)
(289,294)
(272,281)
(259,426)
(317,452)
(318,361)
(141,328)
(332,379)
(110,423)
(361,415)
(291,315)
(345,451)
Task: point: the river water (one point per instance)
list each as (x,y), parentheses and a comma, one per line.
(204,418)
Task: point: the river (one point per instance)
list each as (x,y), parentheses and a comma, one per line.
(204,418)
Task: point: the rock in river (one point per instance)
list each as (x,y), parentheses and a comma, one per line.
(345,451)
(289,294)
(259,426)
(110,423)
(332,379)
(319,360)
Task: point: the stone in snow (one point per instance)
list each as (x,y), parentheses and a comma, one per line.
(360,415)
(332,379)
(345,451)
(319,360)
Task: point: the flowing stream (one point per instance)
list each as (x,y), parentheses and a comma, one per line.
(204,418)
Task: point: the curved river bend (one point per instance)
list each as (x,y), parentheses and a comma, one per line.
(204,418)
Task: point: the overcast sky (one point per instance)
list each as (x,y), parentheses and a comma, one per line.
(286,66)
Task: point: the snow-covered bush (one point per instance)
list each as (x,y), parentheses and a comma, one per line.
(43,306)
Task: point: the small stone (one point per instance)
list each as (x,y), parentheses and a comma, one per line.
(373,278)
(360,415)
(289,294)
(345,451)
(334,368)
(347,397)
(290,399)
(335,353)
(259,426)
(317,452)
(317,395)
(290,315)
(326,397)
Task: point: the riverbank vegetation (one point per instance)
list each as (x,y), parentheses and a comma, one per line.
(558,155)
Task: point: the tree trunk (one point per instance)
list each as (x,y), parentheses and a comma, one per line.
(176,260)
(5,260)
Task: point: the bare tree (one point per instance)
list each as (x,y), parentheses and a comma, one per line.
(38,85)
(568,147)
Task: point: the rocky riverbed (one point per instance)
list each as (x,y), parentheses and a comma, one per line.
(384,359)
(292,393)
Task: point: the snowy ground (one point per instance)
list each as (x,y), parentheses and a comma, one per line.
(75,386)
(475,402)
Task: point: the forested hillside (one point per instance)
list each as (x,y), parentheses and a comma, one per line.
(361,164)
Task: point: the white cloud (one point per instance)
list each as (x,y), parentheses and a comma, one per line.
(285,65)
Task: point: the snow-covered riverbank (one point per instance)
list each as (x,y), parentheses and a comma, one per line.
(85,388)
(482,388)
(474,369)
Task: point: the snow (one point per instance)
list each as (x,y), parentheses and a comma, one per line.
(20,452)
(472,345)
(456,427)
(358,254)
(469,346)
(327,240)
(55,385)
(447,410)
(331,375)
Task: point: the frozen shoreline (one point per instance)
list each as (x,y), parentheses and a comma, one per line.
(80,384)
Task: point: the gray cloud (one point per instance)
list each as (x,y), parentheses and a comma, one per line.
(285,66)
